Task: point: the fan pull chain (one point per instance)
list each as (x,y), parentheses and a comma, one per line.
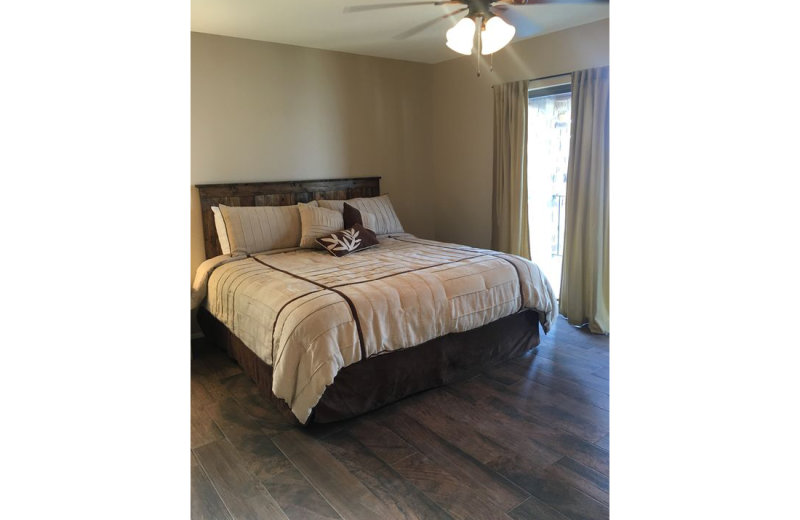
(491,62)
(480,44)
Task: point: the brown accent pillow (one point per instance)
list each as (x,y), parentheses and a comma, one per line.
(347,241)
(353,216)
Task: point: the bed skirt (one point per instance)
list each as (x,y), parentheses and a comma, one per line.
(383,379)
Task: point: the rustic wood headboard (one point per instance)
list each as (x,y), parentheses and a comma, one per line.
(283,193)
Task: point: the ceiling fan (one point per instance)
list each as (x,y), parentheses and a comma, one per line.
(493,17)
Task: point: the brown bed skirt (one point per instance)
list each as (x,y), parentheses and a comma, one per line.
(384,379)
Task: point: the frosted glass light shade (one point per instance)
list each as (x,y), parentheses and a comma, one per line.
(496,35)
(461,36)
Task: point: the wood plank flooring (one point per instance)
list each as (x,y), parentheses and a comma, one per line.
(527,439)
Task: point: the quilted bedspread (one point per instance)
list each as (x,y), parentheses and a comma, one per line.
(309,314)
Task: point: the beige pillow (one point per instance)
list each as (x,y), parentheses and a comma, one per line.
(386,220)
(337,205)
(317,222)
(369,220)
(255,229)
(222,233)
(381,207)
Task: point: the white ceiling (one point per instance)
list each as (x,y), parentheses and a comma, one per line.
(321,24)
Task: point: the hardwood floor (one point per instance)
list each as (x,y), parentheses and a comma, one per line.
(527,439)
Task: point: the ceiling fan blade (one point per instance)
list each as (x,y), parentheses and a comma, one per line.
(525,27)
(542,2)
(372,7)
(423,26)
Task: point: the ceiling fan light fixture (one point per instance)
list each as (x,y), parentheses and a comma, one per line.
(461,36)
(496,35)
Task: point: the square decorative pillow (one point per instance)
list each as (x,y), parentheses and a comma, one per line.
(347,241)
(317,222)
(354,216)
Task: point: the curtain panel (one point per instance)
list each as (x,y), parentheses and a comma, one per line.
(584,277)
(510,185)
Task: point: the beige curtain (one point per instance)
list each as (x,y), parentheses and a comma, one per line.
(510,185)
(584,276)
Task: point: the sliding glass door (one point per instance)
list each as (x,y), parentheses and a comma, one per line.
(549,119)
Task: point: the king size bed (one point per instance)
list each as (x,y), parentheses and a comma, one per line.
(331,337)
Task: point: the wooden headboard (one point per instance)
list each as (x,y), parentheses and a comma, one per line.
(283,193)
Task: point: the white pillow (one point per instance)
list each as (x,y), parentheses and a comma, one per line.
(222,233)
(381,207)
(318,222)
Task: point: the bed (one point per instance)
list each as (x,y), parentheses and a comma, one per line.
(330,338)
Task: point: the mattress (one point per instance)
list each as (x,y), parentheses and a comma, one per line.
(309,314)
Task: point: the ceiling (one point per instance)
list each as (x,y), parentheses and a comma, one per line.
(321,24)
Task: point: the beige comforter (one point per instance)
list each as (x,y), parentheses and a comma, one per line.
(309,314)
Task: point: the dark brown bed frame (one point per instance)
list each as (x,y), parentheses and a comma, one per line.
(382,379)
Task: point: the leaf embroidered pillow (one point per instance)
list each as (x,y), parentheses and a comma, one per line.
(347,241)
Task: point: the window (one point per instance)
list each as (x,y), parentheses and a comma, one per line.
(549,120)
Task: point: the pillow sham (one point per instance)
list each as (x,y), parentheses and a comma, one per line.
(255,229)
(347,241)
(222,233)
(386,220)
(317,222)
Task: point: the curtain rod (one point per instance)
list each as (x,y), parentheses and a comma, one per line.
(543,78)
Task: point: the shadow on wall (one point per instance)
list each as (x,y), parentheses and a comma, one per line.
(198,253)
(196,249)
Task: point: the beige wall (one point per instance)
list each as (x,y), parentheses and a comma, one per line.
(462,121)
(265,111)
